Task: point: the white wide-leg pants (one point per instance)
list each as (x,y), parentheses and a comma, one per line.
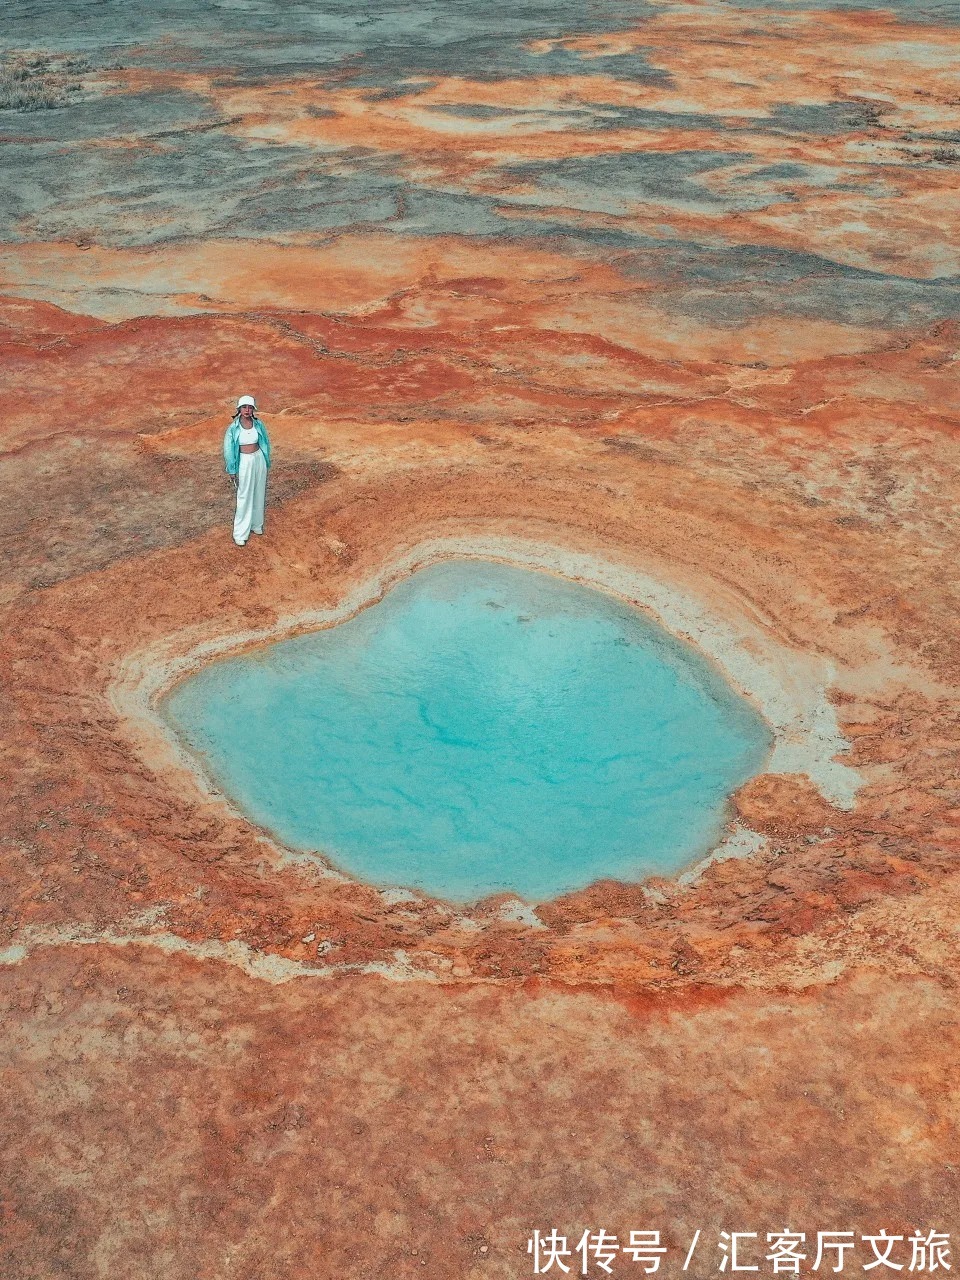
(251,494)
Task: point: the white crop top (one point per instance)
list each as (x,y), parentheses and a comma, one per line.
(248,435)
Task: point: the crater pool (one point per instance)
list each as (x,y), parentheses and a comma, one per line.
(482,728)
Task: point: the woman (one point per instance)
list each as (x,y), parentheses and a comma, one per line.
(246,452)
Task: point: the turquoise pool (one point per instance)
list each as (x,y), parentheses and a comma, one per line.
(482,728)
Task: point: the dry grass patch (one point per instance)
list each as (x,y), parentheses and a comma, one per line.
(38,81)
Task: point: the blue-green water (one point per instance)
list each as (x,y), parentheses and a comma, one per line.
(482,728)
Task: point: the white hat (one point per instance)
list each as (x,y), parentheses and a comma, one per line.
(246,400)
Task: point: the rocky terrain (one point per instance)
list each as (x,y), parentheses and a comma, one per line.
(666,289)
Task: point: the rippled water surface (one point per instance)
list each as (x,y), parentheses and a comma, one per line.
(482,728)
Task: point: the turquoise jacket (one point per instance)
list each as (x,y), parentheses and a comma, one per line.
(231,444)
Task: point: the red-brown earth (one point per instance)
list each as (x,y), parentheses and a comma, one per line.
(223,1062)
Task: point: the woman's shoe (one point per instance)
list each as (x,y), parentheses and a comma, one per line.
(240,544)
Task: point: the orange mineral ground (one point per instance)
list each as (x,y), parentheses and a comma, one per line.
(663,295)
